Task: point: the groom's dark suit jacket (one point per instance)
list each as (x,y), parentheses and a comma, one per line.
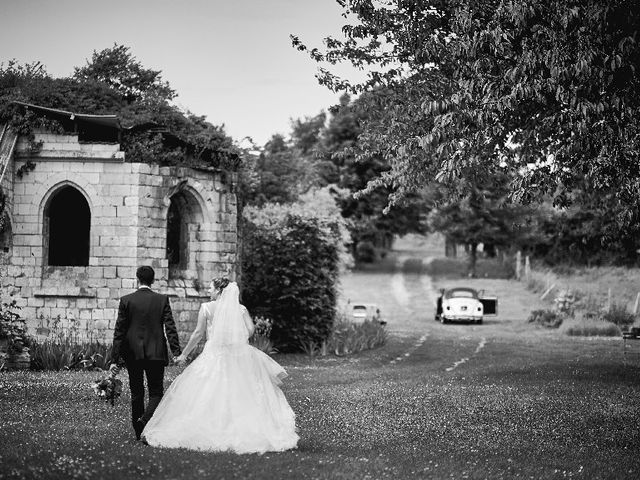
(143,318)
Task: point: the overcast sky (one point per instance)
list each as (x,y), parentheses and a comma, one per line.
(230,60)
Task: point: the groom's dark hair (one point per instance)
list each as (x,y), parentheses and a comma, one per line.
(145,275)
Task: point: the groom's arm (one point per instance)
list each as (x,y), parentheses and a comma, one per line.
(170,329)
(119,334)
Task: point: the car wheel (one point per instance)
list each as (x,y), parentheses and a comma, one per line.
(479,322)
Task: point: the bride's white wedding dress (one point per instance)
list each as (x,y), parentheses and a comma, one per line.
(229,397)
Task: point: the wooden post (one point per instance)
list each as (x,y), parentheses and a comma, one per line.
(518,264)
(635,305)
(608,308)
(527,267)
(547,291)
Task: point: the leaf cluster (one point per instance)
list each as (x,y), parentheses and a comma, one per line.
(547,90)
(114,82)
(319,154)
(12,327)
(290,266)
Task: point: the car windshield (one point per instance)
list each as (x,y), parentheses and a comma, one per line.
(461,293)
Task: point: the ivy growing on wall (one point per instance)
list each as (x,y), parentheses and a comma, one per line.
(113,81)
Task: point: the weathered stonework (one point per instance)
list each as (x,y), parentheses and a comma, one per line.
(129,205)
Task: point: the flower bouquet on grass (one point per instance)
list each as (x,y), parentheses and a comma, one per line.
(108,387)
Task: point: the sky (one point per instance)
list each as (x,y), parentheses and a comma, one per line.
(230,60)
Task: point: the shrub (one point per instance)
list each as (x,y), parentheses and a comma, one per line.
(546,318)
(619,315)
(66,354)
(12,327)
(348,338)
(589,327)
(290,267)
(565,303)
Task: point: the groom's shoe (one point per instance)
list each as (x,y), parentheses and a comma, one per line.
(138,426)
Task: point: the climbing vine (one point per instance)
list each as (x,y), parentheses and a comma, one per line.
(115,82)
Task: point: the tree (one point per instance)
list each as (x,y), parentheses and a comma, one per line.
(278,173)
(484,216)
(314,156)
(547,88)
(306,133)
(117,68)
(114,82)
(368,220)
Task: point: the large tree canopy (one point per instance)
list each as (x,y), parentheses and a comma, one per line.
(314,157)
(547,89)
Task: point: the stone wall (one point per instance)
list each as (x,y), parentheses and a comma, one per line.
(129,204)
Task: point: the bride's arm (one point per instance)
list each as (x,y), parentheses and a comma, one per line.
(197,334)
(247,320)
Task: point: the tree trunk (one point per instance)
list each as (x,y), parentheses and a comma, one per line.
(450,248)
(473,254)
(490,250)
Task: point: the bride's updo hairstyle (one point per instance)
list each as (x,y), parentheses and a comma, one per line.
(220,283)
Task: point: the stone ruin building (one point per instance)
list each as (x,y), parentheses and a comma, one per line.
(83,218)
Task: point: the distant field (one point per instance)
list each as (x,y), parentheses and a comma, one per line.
(591,285)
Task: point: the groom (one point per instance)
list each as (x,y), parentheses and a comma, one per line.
(144,325)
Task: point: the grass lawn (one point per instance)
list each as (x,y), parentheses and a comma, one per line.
(566,410)
(506,399)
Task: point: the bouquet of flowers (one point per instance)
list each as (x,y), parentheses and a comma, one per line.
(261,335)
(263,326)
(108,387)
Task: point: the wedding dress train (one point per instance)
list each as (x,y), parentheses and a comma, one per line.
(229,397)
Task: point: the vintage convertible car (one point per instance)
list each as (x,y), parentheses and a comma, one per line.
(463,304)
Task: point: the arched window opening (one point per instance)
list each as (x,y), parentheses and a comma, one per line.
(68,224)
(183,224)
(176,251)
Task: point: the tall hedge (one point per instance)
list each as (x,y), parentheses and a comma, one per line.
(290,267)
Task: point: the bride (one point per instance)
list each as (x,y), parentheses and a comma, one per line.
(229,397)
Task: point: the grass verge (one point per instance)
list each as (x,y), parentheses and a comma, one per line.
(589,327)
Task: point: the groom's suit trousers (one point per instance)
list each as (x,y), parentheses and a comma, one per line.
(154,371)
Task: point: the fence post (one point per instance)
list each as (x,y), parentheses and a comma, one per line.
(547,291)
(608,309)
(518,264)
(527,267)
